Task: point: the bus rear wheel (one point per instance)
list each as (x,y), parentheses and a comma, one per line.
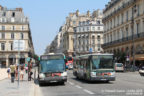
(62,83)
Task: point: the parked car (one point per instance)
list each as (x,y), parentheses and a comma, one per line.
(141,71)
(119,67)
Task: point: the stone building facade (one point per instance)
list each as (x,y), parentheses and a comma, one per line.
(14,26)
(88,36)
(124,29)
(79,29)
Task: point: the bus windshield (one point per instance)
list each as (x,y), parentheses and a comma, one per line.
(57,65)
(102,63)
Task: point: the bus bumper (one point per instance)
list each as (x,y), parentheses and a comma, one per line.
(53,79)
(102,78)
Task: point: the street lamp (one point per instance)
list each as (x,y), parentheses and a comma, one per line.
(133,11)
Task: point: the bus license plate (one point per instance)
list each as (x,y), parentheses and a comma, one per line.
(53,81)
(103,79)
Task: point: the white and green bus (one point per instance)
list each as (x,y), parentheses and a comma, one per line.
(52,68)
(94,67)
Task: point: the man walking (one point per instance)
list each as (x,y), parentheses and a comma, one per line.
(29,71)
(12,67)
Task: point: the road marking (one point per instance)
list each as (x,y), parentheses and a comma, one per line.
(71,83)
(89,92)
(78,86)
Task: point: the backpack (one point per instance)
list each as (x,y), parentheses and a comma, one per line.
(8,70)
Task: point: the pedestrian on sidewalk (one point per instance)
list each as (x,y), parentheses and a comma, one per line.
(22,72)
(26,68)
(12,68)
(29,71)
(8,71)
(16,72)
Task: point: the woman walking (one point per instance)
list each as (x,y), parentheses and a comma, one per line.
(22,73)
(16,72)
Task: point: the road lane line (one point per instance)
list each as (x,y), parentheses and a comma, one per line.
(71,83)
(78,86)
(89,92)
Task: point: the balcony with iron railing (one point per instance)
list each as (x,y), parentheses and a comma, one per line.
(125,39)
(119,9)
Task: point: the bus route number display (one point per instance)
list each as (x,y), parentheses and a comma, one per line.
(46,57)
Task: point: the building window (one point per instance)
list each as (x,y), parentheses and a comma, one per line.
(2,46)
(87,28)
(21,35)
(138,28)
(98,22)
(83,29)
(118,20)
(12,36)
(79,23)
(127,32)
(79,29)
(93,28)
(13,14)
(138,8)
(3,35)
(127,16)
(98,38)
(93,39)
(4,14)
(87,48)
(3,27)
(88,22)
(12,20)
(122,18)
(11,46)
(114,21)
(13,27)
(22,28)
(98,28)
(3,19)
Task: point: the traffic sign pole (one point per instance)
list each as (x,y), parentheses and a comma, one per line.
(18,62)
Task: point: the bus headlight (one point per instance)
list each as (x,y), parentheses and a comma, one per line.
(41,75)
(112,74)
(93,74)
(64,74)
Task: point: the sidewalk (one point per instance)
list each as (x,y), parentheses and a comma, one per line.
(26,88)
(3,73)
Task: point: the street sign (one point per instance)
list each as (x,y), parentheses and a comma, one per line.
(19,45)
(90,50)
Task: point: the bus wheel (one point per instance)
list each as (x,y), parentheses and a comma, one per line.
(41,84)
(107,81)
(62,83)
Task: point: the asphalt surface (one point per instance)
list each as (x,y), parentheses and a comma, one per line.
(126,84)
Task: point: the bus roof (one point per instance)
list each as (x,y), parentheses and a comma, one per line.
(53,54)
(87,55)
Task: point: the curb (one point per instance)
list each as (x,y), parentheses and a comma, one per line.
(3,78)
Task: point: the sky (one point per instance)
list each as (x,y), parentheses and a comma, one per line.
(47,16)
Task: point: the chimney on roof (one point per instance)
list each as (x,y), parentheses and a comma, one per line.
(1,8)
(77,13)
(19,9)
(88,13)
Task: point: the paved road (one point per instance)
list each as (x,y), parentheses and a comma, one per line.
(126,84)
